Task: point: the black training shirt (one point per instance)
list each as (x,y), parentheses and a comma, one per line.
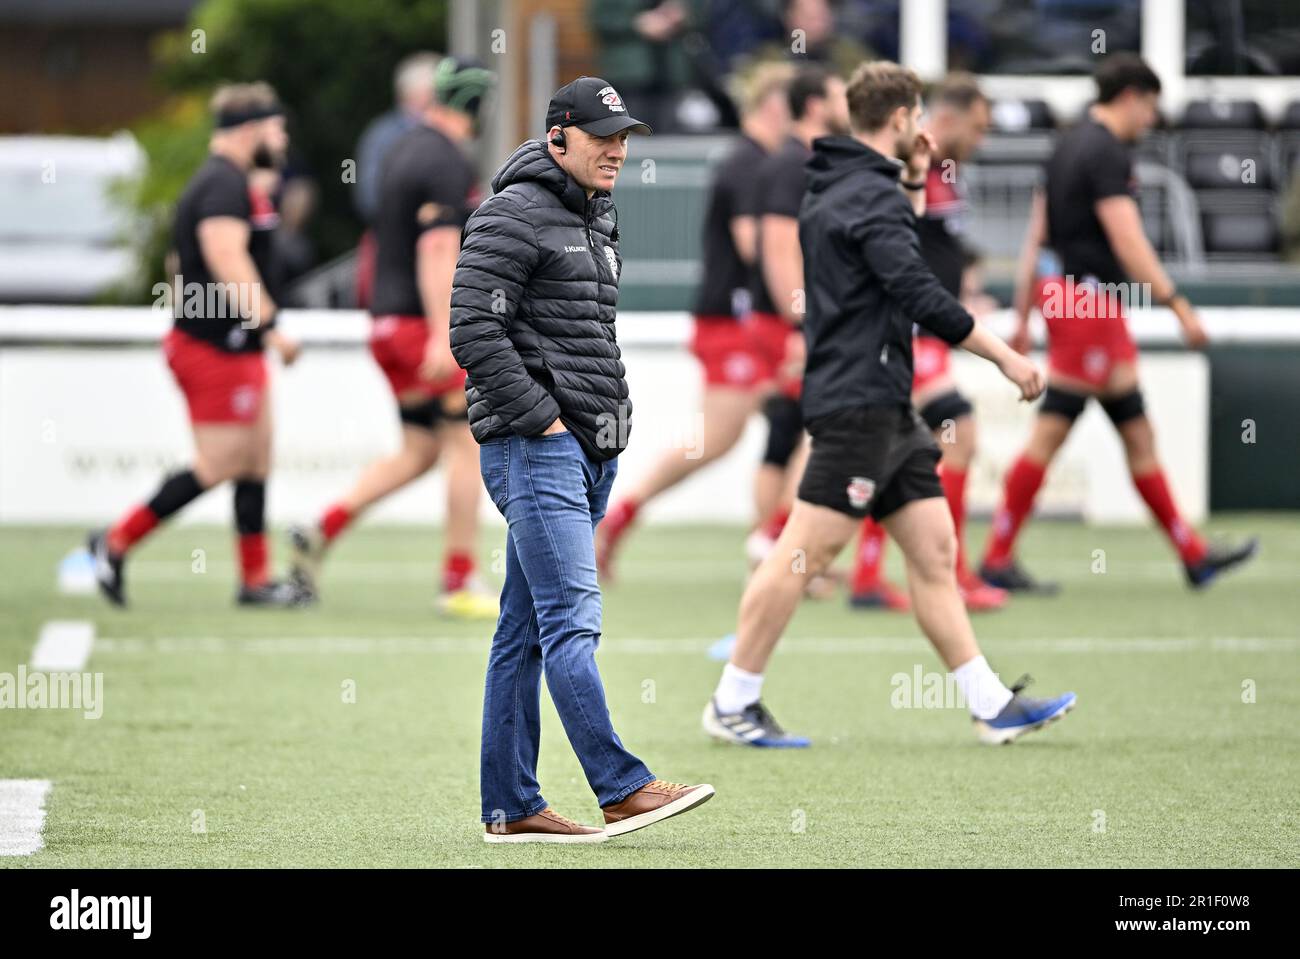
(781,183)
(426,182)
(204,308)
(733,194)
(941,227)
(1088,164)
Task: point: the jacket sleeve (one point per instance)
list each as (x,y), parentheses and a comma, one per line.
(497,256)
(893,252)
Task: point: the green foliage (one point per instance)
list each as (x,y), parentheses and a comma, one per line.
(175,140)
(331,61)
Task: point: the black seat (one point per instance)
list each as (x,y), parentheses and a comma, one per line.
(1218,160)
(1290,117)
(1223,115)
(1018,116)
(1239,224)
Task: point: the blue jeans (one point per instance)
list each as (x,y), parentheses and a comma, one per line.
(552,497)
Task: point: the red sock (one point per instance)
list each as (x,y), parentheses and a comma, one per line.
(456,570)
(775,523)
(252,558)
(334,521)
(953,482)
(866,562)
(1155,490)
(1022,483)
(131,528)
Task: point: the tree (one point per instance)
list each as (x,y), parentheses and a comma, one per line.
(331,61)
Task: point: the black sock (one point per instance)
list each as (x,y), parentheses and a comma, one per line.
(250,506)
(177,491)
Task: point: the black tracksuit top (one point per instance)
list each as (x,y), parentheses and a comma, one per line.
(865,282)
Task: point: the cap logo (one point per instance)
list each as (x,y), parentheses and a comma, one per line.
(609,96)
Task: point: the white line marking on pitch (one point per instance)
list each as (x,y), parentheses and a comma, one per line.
(22,815)
(689,570)
(64,646)
(792,645)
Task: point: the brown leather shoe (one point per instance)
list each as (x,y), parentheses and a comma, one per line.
(651,803)
(546,826)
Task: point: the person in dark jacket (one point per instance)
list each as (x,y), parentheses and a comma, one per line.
(872,455)
(532,323)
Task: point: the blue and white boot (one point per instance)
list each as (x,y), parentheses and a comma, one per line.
(752,726)
(1022,714)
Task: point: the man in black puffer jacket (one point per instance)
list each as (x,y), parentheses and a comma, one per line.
(532,323)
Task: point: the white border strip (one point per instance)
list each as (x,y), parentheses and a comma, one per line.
(22,815)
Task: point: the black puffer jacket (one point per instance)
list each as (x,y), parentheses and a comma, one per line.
(532,309)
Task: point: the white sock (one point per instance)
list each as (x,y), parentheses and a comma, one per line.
(737,689)
(983,691)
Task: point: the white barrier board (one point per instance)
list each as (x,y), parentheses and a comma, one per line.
(87,430)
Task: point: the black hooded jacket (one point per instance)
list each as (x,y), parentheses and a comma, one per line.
(866,282)
(532,309)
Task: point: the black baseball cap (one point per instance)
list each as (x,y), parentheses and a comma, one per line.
(591,105)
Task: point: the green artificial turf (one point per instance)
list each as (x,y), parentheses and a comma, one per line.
(237,720)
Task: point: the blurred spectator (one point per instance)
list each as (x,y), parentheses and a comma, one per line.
(736,28)
(811,34)
(413,83)
(641,52)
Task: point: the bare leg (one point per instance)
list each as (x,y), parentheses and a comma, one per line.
(923,530)
(725,413)
(812,538)
(386,475)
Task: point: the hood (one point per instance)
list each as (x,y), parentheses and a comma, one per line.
(834,158)
(532,162)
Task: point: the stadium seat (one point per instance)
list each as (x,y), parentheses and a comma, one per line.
(1223,115)
(1017,116)
(1157,146)
(1239,224)
(1215,160)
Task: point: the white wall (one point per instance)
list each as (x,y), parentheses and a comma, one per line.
(86,430)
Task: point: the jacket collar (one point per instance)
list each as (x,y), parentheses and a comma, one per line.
(532,162)
(838,156)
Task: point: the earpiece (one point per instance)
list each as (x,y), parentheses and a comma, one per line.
(558,141)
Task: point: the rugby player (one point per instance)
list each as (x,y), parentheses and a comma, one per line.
(737,373)
(959,118)
(872,455)
(1088,214)
(224,318)
(818,108)
(426,194)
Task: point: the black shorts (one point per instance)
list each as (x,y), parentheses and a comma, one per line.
(429,413)
(870,461)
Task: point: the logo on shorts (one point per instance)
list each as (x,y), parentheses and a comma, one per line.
(1095,362)
(243,401)
(612,260)
(860,490)
(609,96)
(738,368)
